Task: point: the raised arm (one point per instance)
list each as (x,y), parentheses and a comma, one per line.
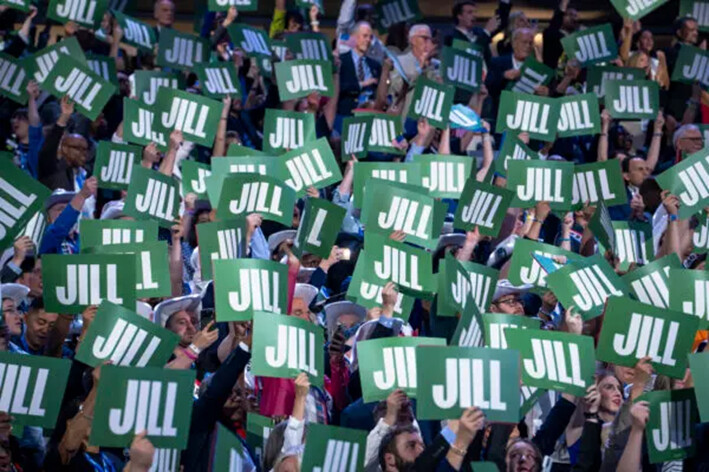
(220,140)
(631,460)
(331,106)
(653,153)
(603,137)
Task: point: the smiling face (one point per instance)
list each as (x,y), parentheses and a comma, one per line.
(521,457)
(13,318)
(611,394)
(183,324)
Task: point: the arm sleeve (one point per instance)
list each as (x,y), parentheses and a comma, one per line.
(278,23)
(293,435)
(35,145)
(556,20)
(58,231)
(318,278)
(374,439)
(259,246)
(345,20)
(433,455)
(10,272)
(589,458)
(48,162)
(414,150)
(554,426)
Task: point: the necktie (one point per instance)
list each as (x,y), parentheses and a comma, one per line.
(360,69)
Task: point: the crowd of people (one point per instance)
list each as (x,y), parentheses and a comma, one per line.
(646,236)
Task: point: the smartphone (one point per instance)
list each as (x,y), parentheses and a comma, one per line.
(345,254)
(207,316)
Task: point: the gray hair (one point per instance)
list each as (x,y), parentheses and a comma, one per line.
(681,130)
(359,24)
(416,29)
(519,31)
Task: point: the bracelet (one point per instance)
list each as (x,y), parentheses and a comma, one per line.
(314,23)
(590,416)
(604,134)
(194,349)
(457,451)
(657,134)
(535,220)
(673,217)
(187,353)
(564,239)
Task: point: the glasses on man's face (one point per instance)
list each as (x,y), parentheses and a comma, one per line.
(697,139)
(425,38)
(509,301)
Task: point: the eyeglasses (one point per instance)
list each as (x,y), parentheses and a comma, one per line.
(697,139)
(425,38)
(509,301)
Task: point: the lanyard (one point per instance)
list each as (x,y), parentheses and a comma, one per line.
(105,466)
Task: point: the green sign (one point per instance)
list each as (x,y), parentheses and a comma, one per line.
(409,173)
(136,33)
(385,128)
(578,116)
(691,66)
(532,74)
(700,237)
(670,428)
(182,51)
(224,166)
(470,329)
(151,264)
(591,45)
(197,117)
(86,89)
(258,429)
(512,149)
(432,101)
(311,46)
(319,226)
(333,448)
(355,132)
(482,206)
(444,175)
(220,240)
(244,194)
(699,366)
(152,195)
(599,181)
(391,12)
(586,285)
(313,165)
(689,293)
(146,84)
(243,287)
(451,379)
(29,388)
(537,116)
(194,179)
(387,364)
(300,78)
(636,9)
(597,76)
(87,13)
(140,125)
(229,453)
(697,9)
(461,69)
(21,5)
(126,339)
(241,5)
(689,181)
(535,181)
(104,232)
(365,291)
(650,283)
(21,197)
(74,282)
(554,360)
(632,99)
(524,269)
(286,130)
(104,67)
(460,282)
(254,41)
(633,242)
(284,346)
(409,267)
(633,330)
(388,207)
(497,324)
(114,163)
(13,79)
(134,399)
(41,63)
(218,80)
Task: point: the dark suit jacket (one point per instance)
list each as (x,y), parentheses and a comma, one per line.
(349,83)
(679,93)
(495,80)
(482,38)
(54,173)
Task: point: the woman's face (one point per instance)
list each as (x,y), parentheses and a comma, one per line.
(646,42)
(611,395)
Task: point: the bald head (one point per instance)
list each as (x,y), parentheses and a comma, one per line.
(164,13)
